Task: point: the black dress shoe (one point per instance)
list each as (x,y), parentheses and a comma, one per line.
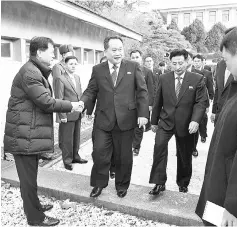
(96,191)
(81,161)
(157,189)
(136,151)
(46,207)
(112,175)
(121,193)
(183,189)
(48,221)
(68,166)
(195,153)
(203,139)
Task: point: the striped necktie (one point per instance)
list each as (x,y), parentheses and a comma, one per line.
(114,74)
(178,86)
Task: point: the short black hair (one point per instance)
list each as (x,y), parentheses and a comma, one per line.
(148,56)
(69,58)
(162,64)
(229,29)
(199,56)
(230,41)
(107,39)
(39,43)
(135,51)
(179,52)
(103,58)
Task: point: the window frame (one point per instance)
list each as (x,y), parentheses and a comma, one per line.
(212,15)
(11,48)
(175,16)
(187,24)
(85,52)
(199,17)
(223,14)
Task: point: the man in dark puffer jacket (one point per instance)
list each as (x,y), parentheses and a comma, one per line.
(29,125)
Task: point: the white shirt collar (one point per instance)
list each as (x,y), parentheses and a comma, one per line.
(182,76)
(111,65)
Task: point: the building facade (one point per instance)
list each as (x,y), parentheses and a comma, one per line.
(209,15)
(64,22)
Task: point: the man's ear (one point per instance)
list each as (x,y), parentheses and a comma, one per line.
(39,52)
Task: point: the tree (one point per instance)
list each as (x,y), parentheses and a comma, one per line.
(157,40)
(173,25)
(95,6)
(214,37)
(195,34)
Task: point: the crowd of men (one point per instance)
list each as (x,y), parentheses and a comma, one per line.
(130,98)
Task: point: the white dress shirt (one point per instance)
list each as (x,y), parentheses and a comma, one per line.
(176,80)
(227,74)
(112,70)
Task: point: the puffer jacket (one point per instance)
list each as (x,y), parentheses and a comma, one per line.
(29,118)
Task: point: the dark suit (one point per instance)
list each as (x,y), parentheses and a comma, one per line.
(57,71)
(117,109)
(207,67)
(207,76)
(89,110)
(173,117)
(209,82)
(220,179)
(221,91)
(138,132)
(69,133)
(156,76)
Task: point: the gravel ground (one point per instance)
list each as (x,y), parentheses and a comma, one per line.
(69,213)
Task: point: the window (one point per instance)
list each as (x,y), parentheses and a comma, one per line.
(199,16)
(98,56)
(186,19)
(225,15)
(56,53)
(27,51)
(86,58)
(174,17)
(212,16)
(6,49)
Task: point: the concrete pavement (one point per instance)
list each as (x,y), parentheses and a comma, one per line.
(170,207)
(142,163)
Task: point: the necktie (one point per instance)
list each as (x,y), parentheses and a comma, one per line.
(178,86)
(114,74)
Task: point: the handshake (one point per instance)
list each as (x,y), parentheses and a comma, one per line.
(77,106)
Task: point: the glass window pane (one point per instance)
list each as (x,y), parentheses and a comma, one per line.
(199,16)
(175,18)
(225,15)
(186,19)
(6,50)
(212,16)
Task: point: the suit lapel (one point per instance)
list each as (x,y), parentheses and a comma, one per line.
(78,85)
(184,86)
(107,74)
(172,85)
(122,71)
(221,75)
(70,81)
